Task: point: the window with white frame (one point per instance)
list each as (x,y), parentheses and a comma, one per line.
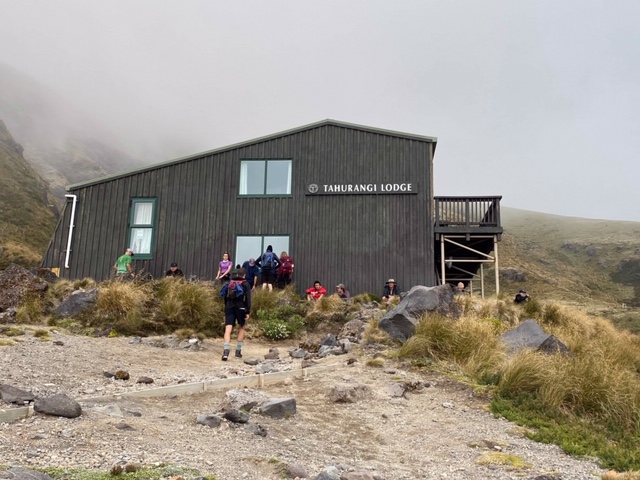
(259,178)
(141,227)
(252,246)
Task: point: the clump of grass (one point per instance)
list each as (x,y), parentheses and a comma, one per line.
(12,331)
(41,334)
(374,334)
(5,342)
(31,310)
(62,288)
(121,305)
(377,362)
(506,459)
(330,304)
(190,305)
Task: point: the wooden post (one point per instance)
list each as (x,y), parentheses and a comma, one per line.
(482,280)
(497,264)
(442,259)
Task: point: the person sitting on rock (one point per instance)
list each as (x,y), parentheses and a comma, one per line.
(316,292)
(390,291)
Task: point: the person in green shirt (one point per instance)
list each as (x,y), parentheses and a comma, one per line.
(123,267)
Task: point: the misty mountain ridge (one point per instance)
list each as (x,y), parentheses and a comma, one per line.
(63,144)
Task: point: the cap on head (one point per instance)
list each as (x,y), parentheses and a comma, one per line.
(391,280)
(174,264)
(523,291)
(340,285)
(252,261)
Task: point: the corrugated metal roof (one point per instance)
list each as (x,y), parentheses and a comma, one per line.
(272,136)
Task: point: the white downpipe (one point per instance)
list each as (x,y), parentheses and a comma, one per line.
(71,225)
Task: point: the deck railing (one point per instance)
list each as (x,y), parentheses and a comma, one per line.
(467,212)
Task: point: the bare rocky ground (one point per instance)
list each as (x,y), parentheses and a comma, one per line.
(440,433)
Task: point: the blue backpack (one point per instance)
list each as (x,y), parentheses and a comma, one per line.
(233,289)
(267,261)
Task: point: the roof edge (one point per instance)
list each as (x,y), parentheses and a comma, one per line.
(245,143)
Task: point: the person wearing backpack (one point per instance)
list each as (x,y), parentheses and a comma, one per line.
(269,263)
(285,270)
(237,307)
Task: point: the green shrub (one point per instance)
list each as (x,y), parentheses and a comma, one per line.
(275,329)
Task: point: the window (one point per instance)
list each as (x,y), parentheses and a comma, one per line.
(254,245)
(265,177)
(141,227)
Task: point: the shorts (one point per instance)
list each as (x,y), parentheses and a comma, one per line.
(235,314)
(268,276)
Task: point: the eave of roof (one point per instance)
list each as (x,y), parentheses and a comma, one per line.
(272,136)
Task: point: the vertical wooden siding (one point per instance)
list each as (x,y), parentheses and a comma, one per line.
(359,240)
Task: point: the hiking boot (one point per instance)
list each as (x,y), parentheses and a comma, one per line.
(238,354)
(225,355)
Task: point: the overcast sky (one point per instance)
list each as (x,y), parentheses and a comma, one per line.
(537,101)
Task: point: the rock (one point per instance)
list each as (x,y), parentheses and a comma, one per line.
(9,316)
(530,335)
(329,473)
(326,350)
(308,363)
(513,274)
(278,407)
(145,380)
(59,405)
(121,375)
(273,354)
(244,399)
(296,470)
(396,390)
(401,322)
(11,394)
(209,420)
(124,426)
(236,416)
(18,473)
(17,284)
(256,429)
(46,274)
(552,345)
(298,353)
(353,330)
(348,392)
(357,476)
(329,340)
(253,362)
(76,303)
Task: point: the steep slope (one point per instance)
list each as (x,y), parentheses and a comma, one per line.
(26,220)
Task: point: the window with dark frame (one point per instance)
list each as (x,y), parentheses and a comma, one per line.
(252,246)
(265,178)
(142,219)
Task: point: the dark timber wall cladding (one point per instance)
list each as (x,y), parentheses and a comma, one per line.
(360,240)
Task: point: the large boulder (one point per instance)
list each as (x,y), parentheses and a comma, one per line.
(529,335)
(11,394)
(77,302)
(59,405)
(17,284)
(401,322)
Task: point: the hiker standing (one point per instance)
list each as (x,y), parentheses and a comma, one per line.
(224,268)
(285,270)
(269,263)
(237,306)
(123,267)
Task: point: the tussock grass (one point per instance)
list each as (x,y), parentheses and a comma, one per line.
(588,403)
(330,304)
(31,310)
(192,306)
(62,288)
(374,334)
(121,305)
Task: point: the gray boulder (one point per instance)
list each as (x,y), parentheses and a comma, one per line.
(59,405)
(330,340)
(236,416)
(18,473)
(401,322)
(244,399)
(279,407)
(15,395)
(77,302)
(530,335)
(296,470)
(348,392)
(209,420)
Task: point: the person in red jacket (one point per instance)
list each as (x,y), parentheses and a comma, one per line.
(316,292)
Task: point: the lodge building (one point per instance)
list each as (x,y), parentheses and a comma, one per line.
(351,204)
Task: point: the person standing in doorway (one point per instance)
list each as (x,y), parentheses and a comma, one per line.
(269,263)
(237,308)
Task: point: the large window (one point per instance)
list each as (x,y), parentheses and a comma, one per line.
(252,246)
(265,178)
(141,227)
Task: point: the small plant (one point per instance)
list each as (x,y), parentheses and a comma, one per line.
(12,332)
(498,458)
(377,362)
(31,310)
(41,333)
(275,329)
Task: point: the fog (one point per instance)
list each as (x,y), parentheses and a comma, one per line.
(536,101)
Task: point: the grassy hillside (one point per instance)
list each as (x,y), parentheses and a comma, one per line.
(593,264)
(26,221)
